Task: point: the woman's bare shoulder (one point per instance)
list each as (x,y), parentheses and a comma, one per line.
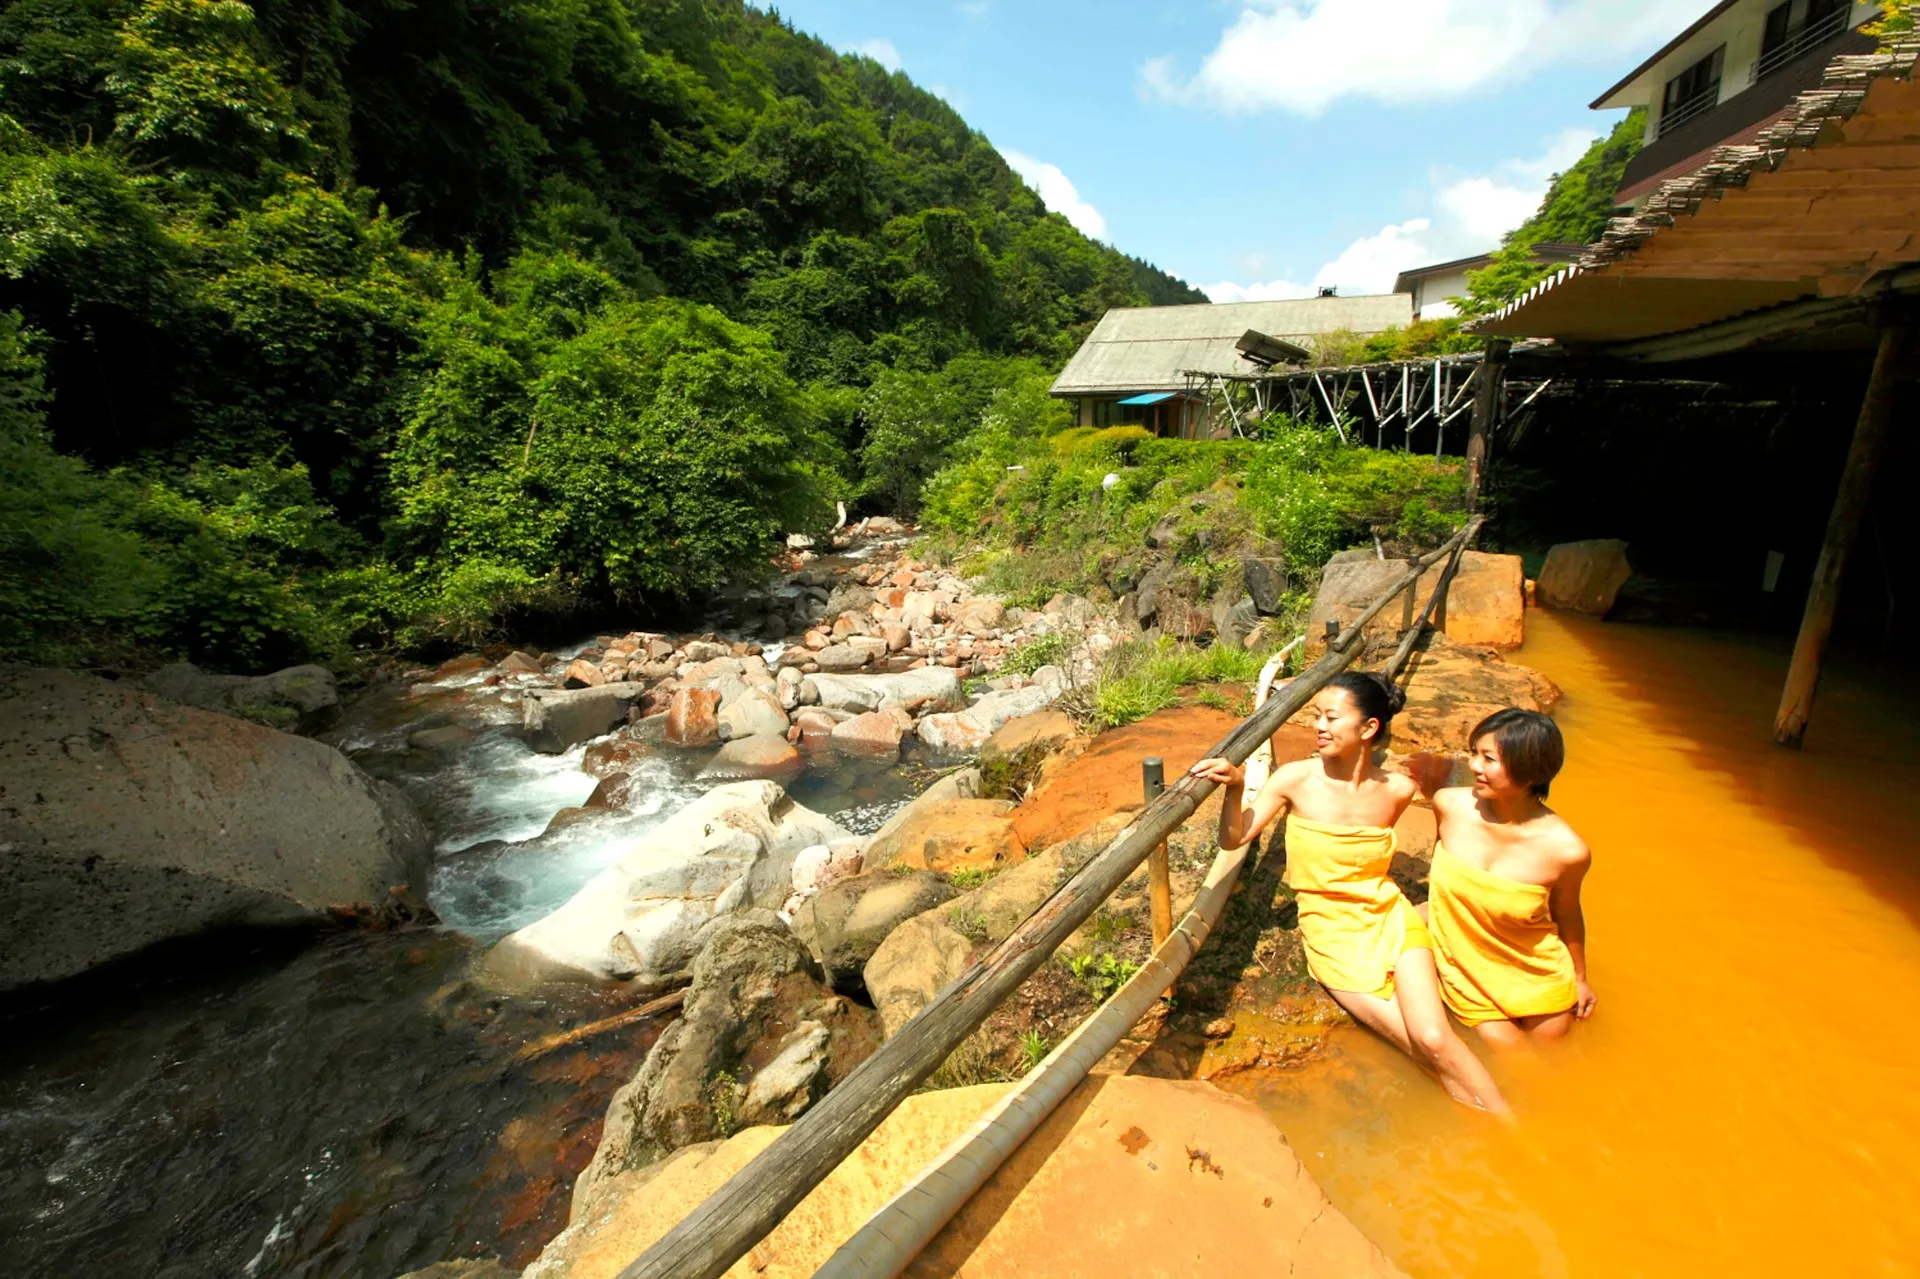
(1450,799)
(1562,842)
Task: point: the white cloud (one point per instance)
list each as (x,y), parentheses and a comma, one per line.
(881,50)
(1471,213)
(1369,264)
(1304,55)
(1269,291)
(1057,192)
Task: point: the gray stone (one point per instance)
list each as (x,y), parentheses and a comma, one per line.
(756,1005)
(840,657)
(1233,622)
(555,719)
(752,713)
(844,923)
(127,819)
(1153,586)
(915,690)
(299,699)
(1266,581)
(639,921)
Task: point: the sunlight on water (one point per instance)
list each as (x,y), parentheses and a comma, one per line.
(1741,1102)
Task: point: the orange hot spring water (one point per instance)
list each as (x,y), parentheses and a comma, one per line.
(1746,1100)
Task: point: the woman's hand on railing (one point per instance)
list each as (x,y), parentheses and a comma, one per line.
(1220,771)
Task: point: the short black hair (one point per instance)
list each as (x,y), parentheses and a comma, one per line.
(1530,746)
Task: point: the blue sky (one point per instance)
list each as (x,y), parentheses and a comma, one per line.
(1260,148)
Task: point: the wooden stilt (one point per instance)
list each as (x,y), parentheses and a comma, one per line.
(1486,402)
(1843,528)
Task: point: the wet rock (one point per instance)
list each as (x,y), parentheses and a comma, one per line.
(617,754)
(299,699)
(127,819)
(581,673)
(446,738)
(872,734)
(693,717)
(757,1003)
(697,651)
(1584,577)
(844,923)
(752,713)
(751,758)
(455,667)
(555,719)
(520,663)
(640,919)
(466,1268)
(956,834)
(1454,687)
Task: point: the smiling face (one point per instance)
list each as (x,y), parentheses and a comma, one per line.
(1339,729)
(1490,777)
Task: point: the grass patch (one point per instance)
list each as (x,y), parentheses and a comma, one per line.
(1051,649)
(970,924)
(1033,1047)
(1101,975)
(971,877)
(1142,677)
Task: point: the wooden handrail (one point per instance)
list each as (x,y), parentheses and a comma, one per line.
(724,1226)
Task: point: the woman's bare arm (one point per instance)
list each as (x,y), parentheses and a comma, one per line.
(1572,923)
(1240,821)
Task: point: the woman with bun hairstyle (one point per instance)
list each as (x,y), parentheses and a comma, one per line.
(1364,942)
(1503,901)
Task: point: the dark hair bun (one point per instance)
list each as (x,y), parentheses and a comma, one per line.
(1374,694)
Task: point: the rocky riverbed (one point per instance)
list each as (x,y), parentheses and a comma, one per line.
(809,818)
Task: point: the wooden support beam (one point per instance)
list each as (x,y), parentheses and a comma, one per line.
(723,1227)
(1843,529)
(1486,402)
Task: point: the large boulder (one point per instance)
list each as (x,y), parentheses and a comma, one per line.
(1485,603)
(962,783)
(751,758)
(127,819)
(872,734)
(929,686)
(640,920)
(1454,687)
(759,1040)
(693,717)
(1584,577)
(1266,582)
(557,718)
(845,922)
(921,956)
(299,699)
(1209,1185)
(1044,731)
(958,834)
(753,712)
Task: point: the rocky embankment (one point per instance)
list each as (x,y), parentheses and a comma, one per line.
(805,944)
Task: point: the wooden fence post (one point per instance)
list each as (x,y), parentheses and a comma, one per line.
(1486,403)
(1843,528)
(1153,780)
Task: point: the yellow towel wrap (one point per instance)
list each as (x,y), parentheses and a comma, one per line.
(1353,920)
(1494,941)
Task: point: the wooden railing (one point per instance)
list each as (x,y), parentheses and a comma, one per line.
(753,1201)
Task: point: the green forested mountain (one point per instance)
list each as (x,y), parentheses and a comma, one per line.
(337,320)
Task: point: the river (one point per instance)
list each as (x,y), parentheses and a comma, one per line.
(1742,1101)
(276,1108)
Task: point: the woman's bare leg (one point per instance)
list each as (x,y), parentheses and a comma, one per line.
(1503,1035)
(1547,1026)
(1381,1016)
(1465,1077)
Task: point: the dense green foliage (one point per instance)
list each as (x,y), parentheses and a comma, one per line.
(345,320)
(1054,522)
(1575,211)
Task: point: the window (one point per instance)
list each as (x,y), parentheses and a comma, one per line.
(1820,21)
(1693,92)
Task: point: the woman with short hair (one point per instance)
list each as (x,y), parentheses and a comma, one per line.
(1503,897)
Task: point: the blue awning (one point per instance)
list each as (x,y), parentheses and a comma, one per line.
(1151,397)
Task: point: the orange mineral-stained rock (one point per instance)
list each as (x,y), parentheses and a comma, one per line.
(955,834)
(1128,1176)
(693,717)
(1584,577)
